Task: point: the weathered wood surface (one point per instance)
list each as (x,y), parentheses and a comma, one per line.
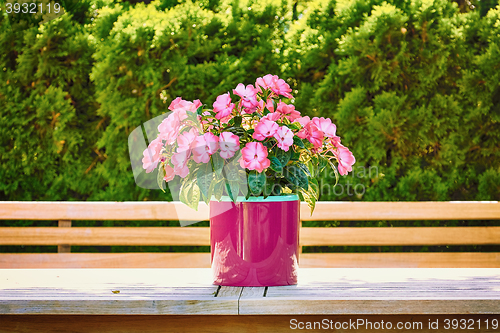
(380,291)
(113,291)
(235,324)
(188,291)
(202,260)
(195,236)
(344,211)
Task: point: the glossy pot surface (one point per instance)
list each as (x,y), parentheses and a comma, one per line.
(255,242)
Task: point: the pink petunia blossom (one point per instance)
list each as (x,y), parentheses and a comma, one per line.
(248,96)
(204,146)
(169,173)
(179,160)
(180,107)
(272,116)
(265,129)
(288,110)
(325,125)
(186,139)
(151,155)
(284,136)
(229,143)
(254,157)
(314,135)
(345,158)
(223,106)
(169,128)
(273,82)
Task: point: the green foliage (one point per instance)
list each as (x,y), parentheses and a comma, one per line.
(413,86)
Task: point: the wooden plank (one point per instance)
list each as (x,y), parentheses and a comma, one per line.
(157,236)
(345,211)
(104,260)
(373,211)
(381,291)
(112,291)
(131,236)
(101,210)
(232,324)
(64,248)
(400,236)
(390,259)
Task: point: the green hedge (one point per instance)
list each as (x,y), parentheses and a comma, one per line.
(414,88)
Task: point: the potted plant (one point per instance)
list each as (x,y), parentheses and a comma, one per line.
(252,158)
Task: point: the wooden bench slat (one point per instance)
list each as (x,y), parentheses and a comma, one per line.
(402,260)
(409,236)
(198,236)
(105,260)
(154,211)
(376,211)
(193,260)
(129,236)
(101,210)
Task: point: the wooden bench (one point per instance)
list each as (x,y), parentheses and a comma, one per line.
(65,236)
(101,298)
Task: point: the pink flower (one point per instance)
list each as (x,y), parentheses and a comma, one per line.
(325,125)
(169,173)
(265,129)
(229,143)
(254,157)
(284,136)
(248,97)
(345,158)
(223,106)
(303,121)
(314,135)
(272,116)
(151,155)
(186,139)
(180,107)
(179,160)
(204,146)
(273,82)
(169,128)
(265,82)
(288,110)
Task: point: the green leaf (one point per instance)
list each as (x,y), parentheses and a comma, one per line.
(219,189)
(256,182)
(217,163)
(233,189)
(272,188)
(159,178)
(190,194)
(298,141)
(294,126)
(296,176)
(205,176)
(199,111)
(283,156)
(304,168)
(314,187)
(276,164)
(295,156)
(237,121)
(309,199)
(336,172)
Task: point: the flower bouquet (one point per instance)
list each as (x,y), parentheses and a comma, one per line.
(251,143)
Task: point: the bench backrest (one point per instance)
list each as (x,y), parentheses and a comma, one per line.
(64,236)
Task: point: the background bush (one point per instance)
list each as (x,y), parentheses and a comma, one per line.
(414,88)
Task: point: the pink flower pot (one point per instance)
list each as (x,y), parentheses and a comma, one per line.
(255,242)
